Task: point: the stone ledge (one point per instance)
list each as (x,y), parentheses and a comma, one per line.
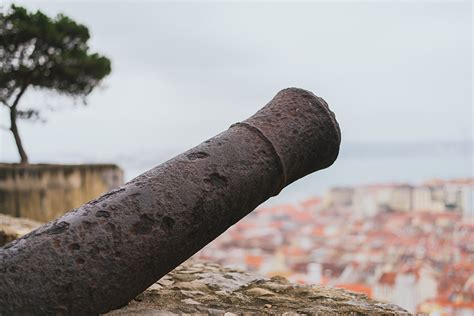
(12,228)
(199,288)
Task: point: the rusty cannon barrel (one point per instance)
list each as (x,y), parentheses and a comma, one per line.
(101,255)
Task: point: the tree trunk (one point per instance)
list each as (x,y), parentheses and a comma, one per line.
(16,135)
(14,127)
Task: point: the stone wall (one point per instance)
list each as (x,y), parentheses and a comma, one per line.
(43,192)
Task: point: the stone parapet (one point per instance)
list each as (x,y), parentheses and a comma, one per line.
(44,192)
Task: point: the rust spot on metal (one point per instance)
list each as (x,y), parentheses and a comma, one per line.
(110,227)
(167,224)
(143,226)
(215,180)
(102,214)
(197,155)
(74,246)
(56,243)
(88,224)
(58,228)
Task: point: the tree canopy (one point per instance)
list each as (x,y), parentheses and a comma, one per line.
(40,52)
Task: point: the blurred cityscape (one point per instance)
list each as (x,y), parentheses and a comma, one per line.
(399,243)
(377,66)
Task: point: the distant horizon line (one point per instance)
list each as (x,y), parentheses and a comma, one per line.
(349,148)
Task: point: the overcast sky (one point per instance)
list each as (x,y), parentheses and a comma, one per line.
(181,73)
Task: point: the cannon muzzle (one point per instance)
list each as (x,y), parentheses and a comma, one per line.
(101,255)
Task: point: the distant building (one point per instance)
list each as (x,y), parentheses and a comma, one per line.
(467,202)
(369,200)
(339,197)
(426,287)
(405,293)
(422,198)
(315,273)
(451,196)
(407,289)
(428,198)
(460,197)
(401,198)
(364,202)
(384,288)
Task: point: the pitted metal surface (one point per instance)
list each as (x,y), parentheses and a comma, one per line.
(260,134)
(101,255)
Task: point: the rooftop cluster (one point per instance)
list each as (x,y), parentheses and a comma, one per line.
(414,248)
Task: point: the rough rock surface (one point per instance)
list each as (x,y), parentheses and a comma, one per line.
(208,289)
(11,228)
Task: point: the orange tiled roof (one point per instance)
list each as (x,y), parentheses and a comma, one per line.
(388,278)
(356,287)
(318,231)
(254,261)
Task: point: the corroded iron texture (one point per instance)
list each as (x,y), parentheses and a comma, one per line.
(101,255)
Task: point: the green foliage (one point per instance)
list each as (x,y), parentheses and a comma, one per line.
(43,53)
(46,53)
